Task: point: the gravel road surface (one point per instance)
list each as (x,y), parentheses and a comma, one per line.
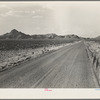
(68,67)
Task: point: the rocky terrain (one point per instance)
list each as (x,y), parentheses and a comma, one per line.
(93,49)
(11,58)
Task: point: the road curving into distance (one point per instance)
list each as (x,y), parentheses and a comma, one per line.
(68,67)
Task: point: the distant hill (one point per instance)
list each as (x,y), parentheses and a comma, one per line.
(46,36)
(15,34)
(72,36)
(94,39)
(97,37)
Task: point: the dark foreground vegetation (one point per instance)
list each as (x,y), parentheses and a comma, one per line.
(26,44)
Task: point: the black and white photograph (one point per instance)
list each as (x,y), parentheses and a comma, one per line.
(47,44)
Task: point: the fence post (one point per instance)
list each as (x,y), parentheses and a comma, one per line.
(93,59)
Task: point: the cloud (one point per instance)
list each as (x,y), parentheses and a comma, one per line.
(9,13)
(22,10)
(2,6)
(14,13)
(37,16)
(33,12)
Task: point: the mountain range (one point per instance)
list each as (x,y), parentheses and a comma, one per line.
(15,34)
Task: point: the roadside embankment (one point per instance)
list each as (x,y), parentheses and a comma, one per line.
(12,58)
(93,50)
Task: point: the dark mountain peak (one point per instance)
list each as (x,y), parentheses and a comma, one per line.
(13,31)
(14,34)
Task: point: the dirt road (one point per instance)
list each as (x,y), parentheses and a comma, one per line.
(68,67)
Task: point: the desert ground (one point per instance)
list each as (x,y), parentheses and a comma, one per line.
(69,66)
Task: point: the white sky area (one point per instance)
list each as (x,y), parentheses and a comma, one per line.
(62,18)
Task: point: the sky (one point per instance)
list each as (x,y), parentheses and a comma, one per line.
(81,18)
